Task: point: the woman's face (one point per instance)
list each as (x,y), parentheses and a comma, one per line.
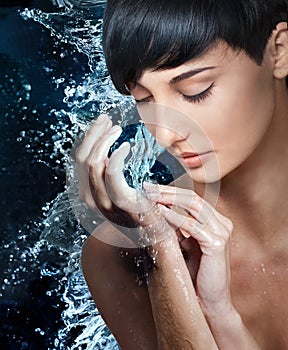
(211,112)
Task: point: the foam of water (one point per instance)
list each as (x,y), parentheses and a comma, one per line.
(85,98)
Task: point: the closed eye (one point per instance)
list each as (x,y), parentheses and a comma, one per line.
(202,96)
(199,97)
(146,99)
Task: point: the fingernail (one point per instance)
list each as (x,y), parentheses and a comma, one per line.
(101,119)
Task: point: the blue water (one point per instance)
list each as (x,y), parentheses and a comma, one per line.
(44,303)
(53,83)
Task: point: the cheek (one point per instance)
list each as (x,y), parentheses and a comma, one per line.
(240,121)
(244,116)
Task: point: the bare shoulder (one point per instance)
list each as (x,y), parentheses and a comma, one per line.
(111,276)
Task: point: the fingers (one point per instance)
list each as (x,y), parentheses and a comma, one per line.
(96,160)
(116,161)
(213,235)
(96,164)
(119,191)
(91,156)
(96,131)
(182,198)
(189,225)
(171,195)
(116,185)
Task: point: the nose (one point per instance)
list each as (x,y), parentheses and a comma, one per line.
(163,122)
(165,135)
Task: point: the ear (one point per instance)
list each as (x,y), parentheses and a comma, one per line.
(280,50)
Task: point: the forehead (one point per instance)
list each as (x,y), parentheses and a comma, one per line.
(220,55)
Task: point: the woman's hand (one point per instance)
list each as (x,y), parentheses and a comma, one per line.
(207,258)
(207,249)
(104,189)
(206,244)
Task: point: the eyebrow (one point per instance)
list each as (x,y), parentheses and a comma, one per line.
(189,74)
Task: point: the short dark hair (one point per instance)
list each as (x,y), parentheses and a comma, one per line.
(160,34)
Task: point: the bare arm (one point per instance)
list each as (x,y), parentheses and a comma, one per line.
(179,320)
(170,295)
(212,231)
(230,332)
(131,311)
(124,305)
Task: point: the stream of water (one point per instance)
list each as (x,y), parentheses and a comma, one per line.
(46,252)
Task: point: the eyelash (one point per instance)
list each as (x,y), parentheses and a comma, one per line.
(146,99)
(192,99)
(199,97)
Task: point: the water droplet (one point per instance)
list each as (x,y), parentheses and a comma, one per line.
(263,268)
(141,217)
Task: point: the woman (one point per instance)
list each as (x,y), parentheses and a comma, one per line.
(220,276)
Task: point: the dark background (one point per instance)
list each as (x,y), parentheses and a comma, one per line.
(29,178)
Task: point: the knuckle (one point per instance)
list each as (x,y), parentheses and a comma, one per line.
(189,225)
(224,237)
(226,222)
(93,164)
(91,167)
(220,243)
(111,171)
(79,156)
(228,225)
(91,131)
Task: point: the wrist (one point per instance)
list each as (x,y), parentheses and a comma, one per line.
(218,310)
(224,317)
(150,255)
(230,331)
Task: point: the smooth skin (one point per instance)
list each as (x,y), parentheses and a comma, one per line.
(228,290)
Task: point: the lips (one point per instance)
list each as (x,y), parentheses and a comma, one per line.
(188,154)
(193,160)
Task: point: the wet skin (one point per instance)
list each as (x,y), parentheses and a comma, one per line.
(233,99)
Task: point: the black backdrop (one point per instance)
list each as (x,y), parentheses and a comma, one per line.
(27,183)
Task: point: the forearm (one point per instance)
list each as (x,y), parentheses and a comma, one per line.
(229,331)
(179,320)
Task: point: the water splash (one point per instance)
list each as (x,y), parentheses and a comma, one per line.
(144,154)
(85,97)
(82,314)
(77,3)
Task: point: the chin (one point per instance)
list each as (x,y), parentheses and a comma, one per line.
(204,177)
